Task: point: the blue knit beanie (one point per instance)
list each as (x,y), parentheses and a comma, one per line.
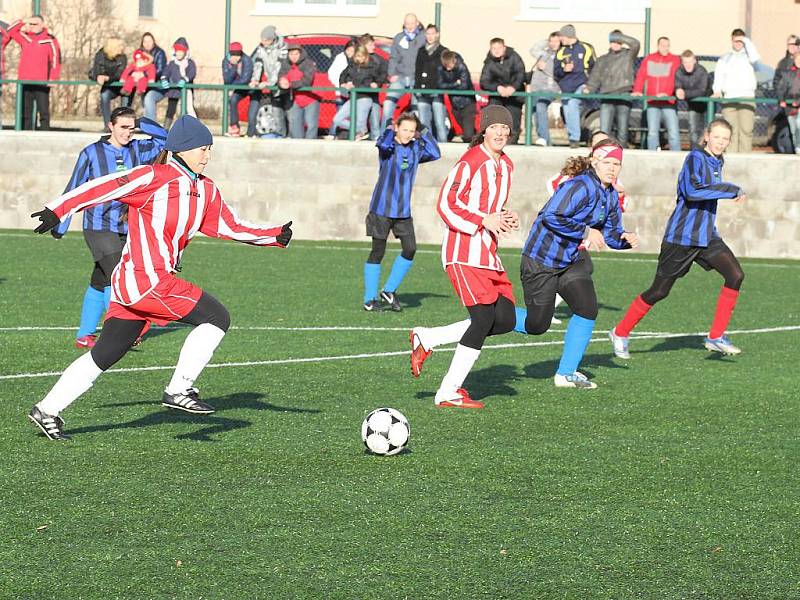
(188,133)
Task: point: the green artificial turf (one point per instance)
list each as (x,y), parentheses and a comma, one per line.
(677,478)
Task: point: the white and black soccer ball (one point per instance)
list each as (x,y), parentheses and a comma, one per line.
(385,431)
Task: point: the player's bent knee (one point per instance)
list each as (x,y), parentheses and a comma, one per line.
(409,254)
(536,326)
(735,281)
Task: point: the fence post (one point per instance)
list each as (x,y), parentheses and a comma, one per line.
(351,133)
(437,18)
(18,107)
(224,109)
(225,53)
(709,110)
(647,23)
(528,120)
(183,100)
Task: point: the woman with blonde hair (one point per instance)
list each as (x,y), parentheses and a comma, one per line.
(360,73)
(107,67)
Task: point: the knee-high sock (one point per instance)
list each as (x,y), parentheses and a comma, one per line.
(74,381)
(91,311)
(579,332)
(400,269)
(107,296)
(636,312)
(430,337)
(725,305)
(519,326)
(463,360)
(372,277)
(195,354)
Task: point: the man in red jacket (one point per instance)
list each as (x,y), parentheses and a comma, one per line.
(657,73)
(40,60)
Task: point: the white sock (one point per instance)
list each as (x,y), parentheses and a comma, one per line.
(559,300)
(196,352)
(463,359)
(74,381)
(430,337)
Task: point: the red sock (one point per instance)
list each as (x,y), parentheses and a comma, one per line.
(725,305)
(638,309)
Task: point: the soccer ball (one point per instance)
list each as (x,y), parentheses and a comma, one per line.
(385,431)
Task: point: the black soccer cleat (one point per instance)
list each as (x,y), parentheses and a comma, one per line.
(188,401)
(391,301)
(373,306)
(50,425)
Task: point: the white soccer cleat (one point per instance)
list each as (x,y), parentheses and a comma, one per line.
(620,345)
(575,380)
(721,344)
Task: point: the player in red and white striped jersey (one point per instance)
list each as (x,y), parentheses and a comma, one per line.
(168,204)
(472,204)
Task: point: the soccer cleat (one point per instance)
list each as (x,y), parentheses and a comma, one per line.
(188,401)
(418,354)
(373,305)
(721,344)
(390,299)
(137,342)
(620,344)
(51,425)
(462,401)
(555,321)
(86,342)
(575,380)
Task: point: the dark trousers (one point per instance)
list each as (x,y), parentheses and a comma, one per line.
(466,118)
(515,108)
(41,94)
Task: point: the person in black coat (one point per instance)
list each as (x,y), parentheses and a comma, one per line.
(504,72)
(429,57)
(107,67)
(691,81)
(453,74)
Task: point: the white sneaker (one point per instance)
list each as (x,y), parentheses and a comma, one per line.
(721,344)
(576,380)
(620,345)
(540,142)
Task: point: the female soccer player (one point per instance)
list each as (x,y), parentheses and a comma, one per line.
(401,149)
(692,236)
(168,203)
(584,212)
(472,205)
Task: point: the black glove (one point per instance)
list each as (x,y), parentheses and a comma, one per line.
(48,219)
(285,236)
(56,234)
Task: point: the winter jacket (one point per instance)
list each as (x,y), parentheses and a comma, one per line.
(693,84)
(149,71)
(338,65)
(174,75)
(267,61)
(506,70)
(361,76)
(426,67)
(783,66)
(613,72)
(456,79)
(734,76)
(542,80)
(159,59)
(111,67)
(240,73)
(300,74)
(657,72)
(582,56)
(403,58)
(40,59)
(789,87)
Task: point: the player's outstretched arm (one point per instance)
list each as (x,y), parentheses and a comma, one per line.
(220,221)
(697,185)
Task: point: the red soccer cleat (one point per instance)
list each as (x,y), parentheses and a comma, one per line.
(463,401)
(86,342)
(418,354)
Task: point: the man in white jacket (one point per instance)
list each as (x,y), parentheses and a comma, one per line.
(734,77)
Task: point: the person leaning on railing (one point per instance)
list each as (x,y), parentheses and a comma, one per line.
(571,67)
(153,95)
(454,75)
(237,69)
(107,67)
(691,81)
(541,79)
(656,75)
(504,72)
(4,40)
(178,72)
(789,98)
(298,71)
(429,57)
(360,73)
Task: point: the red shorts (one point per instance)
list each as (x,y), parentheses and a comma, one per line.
(171,300)
(479,286)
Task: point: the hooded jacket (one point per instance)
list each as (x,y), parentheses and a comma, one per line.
(403,58)
(40,59)
(456,79)
(657,72)
(506,70)
(613,72)
(159,59)
(103,65)
(149,69)
(267,61)
(300,74)
(582,57)
(177,71)
(693,84)
(734,76)
(783,66)
(542,80)
(240,73)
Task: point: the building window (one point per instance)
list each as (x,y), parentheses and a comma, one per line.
(317,8)
(147,8)
(583,11)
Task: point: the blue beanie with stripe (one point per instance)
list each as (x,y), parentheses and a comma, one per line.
(188,133)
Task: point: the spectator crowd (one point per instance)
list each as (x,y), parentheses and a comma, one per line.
(274,78)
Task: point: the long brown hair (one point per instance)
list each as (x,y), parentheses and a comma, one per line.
(162,158)
(576,165)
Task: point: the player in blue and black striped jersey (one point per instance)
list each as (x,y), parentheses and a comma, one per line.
(401,149)
(692,236)
(105,227)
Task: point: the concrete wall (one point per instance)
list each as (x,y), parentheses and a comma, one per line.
(325,187)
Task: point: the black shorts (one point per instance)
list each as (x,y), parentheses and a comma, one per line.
(674,260)
(104,243)
(379,227)
(540,283)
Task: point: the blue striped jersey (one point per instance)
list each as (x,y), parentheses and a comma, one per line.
(560,226)
(102,158)
(700,185)
(397,171)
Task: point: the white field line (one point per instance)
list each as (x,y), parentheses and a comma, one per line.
(317,359)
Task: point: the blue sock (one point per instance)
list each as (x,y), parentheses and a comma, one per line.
(372,277)
(107,296)
(522,314)
(579,332)
(92,310)
(399,271)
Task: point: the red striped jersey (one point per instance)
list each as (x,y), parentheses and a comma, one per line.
(476,186)
(167,206)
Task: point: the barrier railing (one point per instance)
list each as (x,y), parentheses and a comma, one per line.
(528,98)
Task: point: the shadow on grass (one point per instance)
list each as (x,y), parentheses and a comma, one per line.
(547,369)
(491,381)
(415,300)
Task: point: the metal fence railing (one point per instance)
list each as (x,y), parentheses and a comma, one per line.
(528,98)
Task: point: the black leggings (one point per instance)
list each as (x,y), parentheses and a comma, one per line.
(580,296)
(724,263)
(489,319)
(118,335)
(101,275)
(408,248)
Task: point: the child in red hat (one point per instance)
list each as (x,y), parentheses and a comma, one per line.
(138,74)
